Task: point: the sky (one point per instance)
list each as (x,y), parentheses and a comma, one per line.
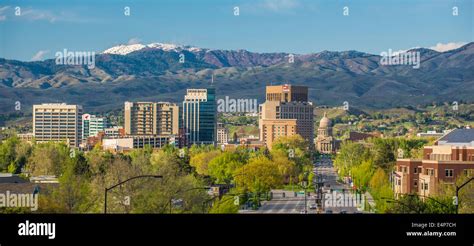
(45,27)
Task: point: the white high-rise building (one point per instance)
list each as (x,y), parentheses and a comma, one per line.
(58,122)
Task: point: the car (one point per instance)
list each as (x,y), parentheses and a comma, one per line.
(343,212)
(329,211)
(313,206)
(303,212)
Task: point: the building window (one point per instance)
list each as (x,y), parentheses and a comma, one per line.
(466,172)
(415,183)
(449,173)
(415,170)
(424,186)
(429,171)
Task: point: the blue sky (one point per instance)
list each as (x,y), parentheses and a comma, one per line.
(293,26)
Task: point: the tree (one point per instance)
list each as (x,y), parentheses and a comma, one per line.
(259,175)
(225,205)
(379,186)
(383,152)
(362,174)
(292,155)
(291,142)
(156,196)
(48,159)
(447,191)
(287,168)
(141,157)
(350,155)
(222,167)
(72,195)
(7,152)
(201,161)
(406,205)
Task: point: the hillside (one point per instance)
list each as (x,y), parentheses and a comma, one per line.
(155,73)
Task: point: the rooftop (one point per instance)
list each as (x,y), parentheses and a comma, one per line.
(465,136)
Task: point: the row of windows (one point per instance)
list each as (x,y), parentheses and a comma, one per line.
(296,109)
(430,171)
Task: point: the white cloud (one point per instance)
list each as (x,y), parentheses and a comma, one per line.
(134,41)
(275,6)
(36,14)
(279,5)
(39,55)
(440,47)
(3,15)
(30,14)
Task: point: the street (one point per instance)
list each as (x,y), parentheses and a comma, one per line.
(291,204)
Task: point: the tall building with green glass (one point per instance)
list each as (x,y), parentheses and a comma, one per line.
(199,120)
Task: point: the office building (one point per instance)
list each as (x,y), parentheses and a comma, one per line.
(58,122)
(287,102)
(115,131)
(151,118)
(272,129)
(200,116)
(91,125)
(286,93)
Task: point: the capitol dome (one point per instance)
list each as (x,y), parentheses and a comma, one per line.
(325,121)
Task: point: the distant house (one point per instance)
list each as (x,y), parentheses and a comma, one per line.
(14,184)
(431,134)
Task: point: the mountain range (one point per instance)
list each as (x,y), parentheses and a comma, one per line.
(154,72)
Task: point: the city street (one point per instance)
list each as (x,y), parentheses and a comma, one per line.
(285,205)
(324,170)
(289,204)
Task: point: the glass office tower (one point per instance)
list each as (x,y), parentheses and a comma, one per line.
(200,116)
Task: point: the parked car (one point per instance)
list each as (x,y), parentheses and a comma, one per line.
(313,206)
(329,211)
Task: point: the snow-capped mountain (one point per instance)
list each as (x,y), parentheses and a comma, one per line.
(154,72)
(125,49)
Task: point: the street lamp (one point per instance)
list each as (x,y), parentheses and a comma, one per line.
(457,193)
(132,178)
(304,185)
